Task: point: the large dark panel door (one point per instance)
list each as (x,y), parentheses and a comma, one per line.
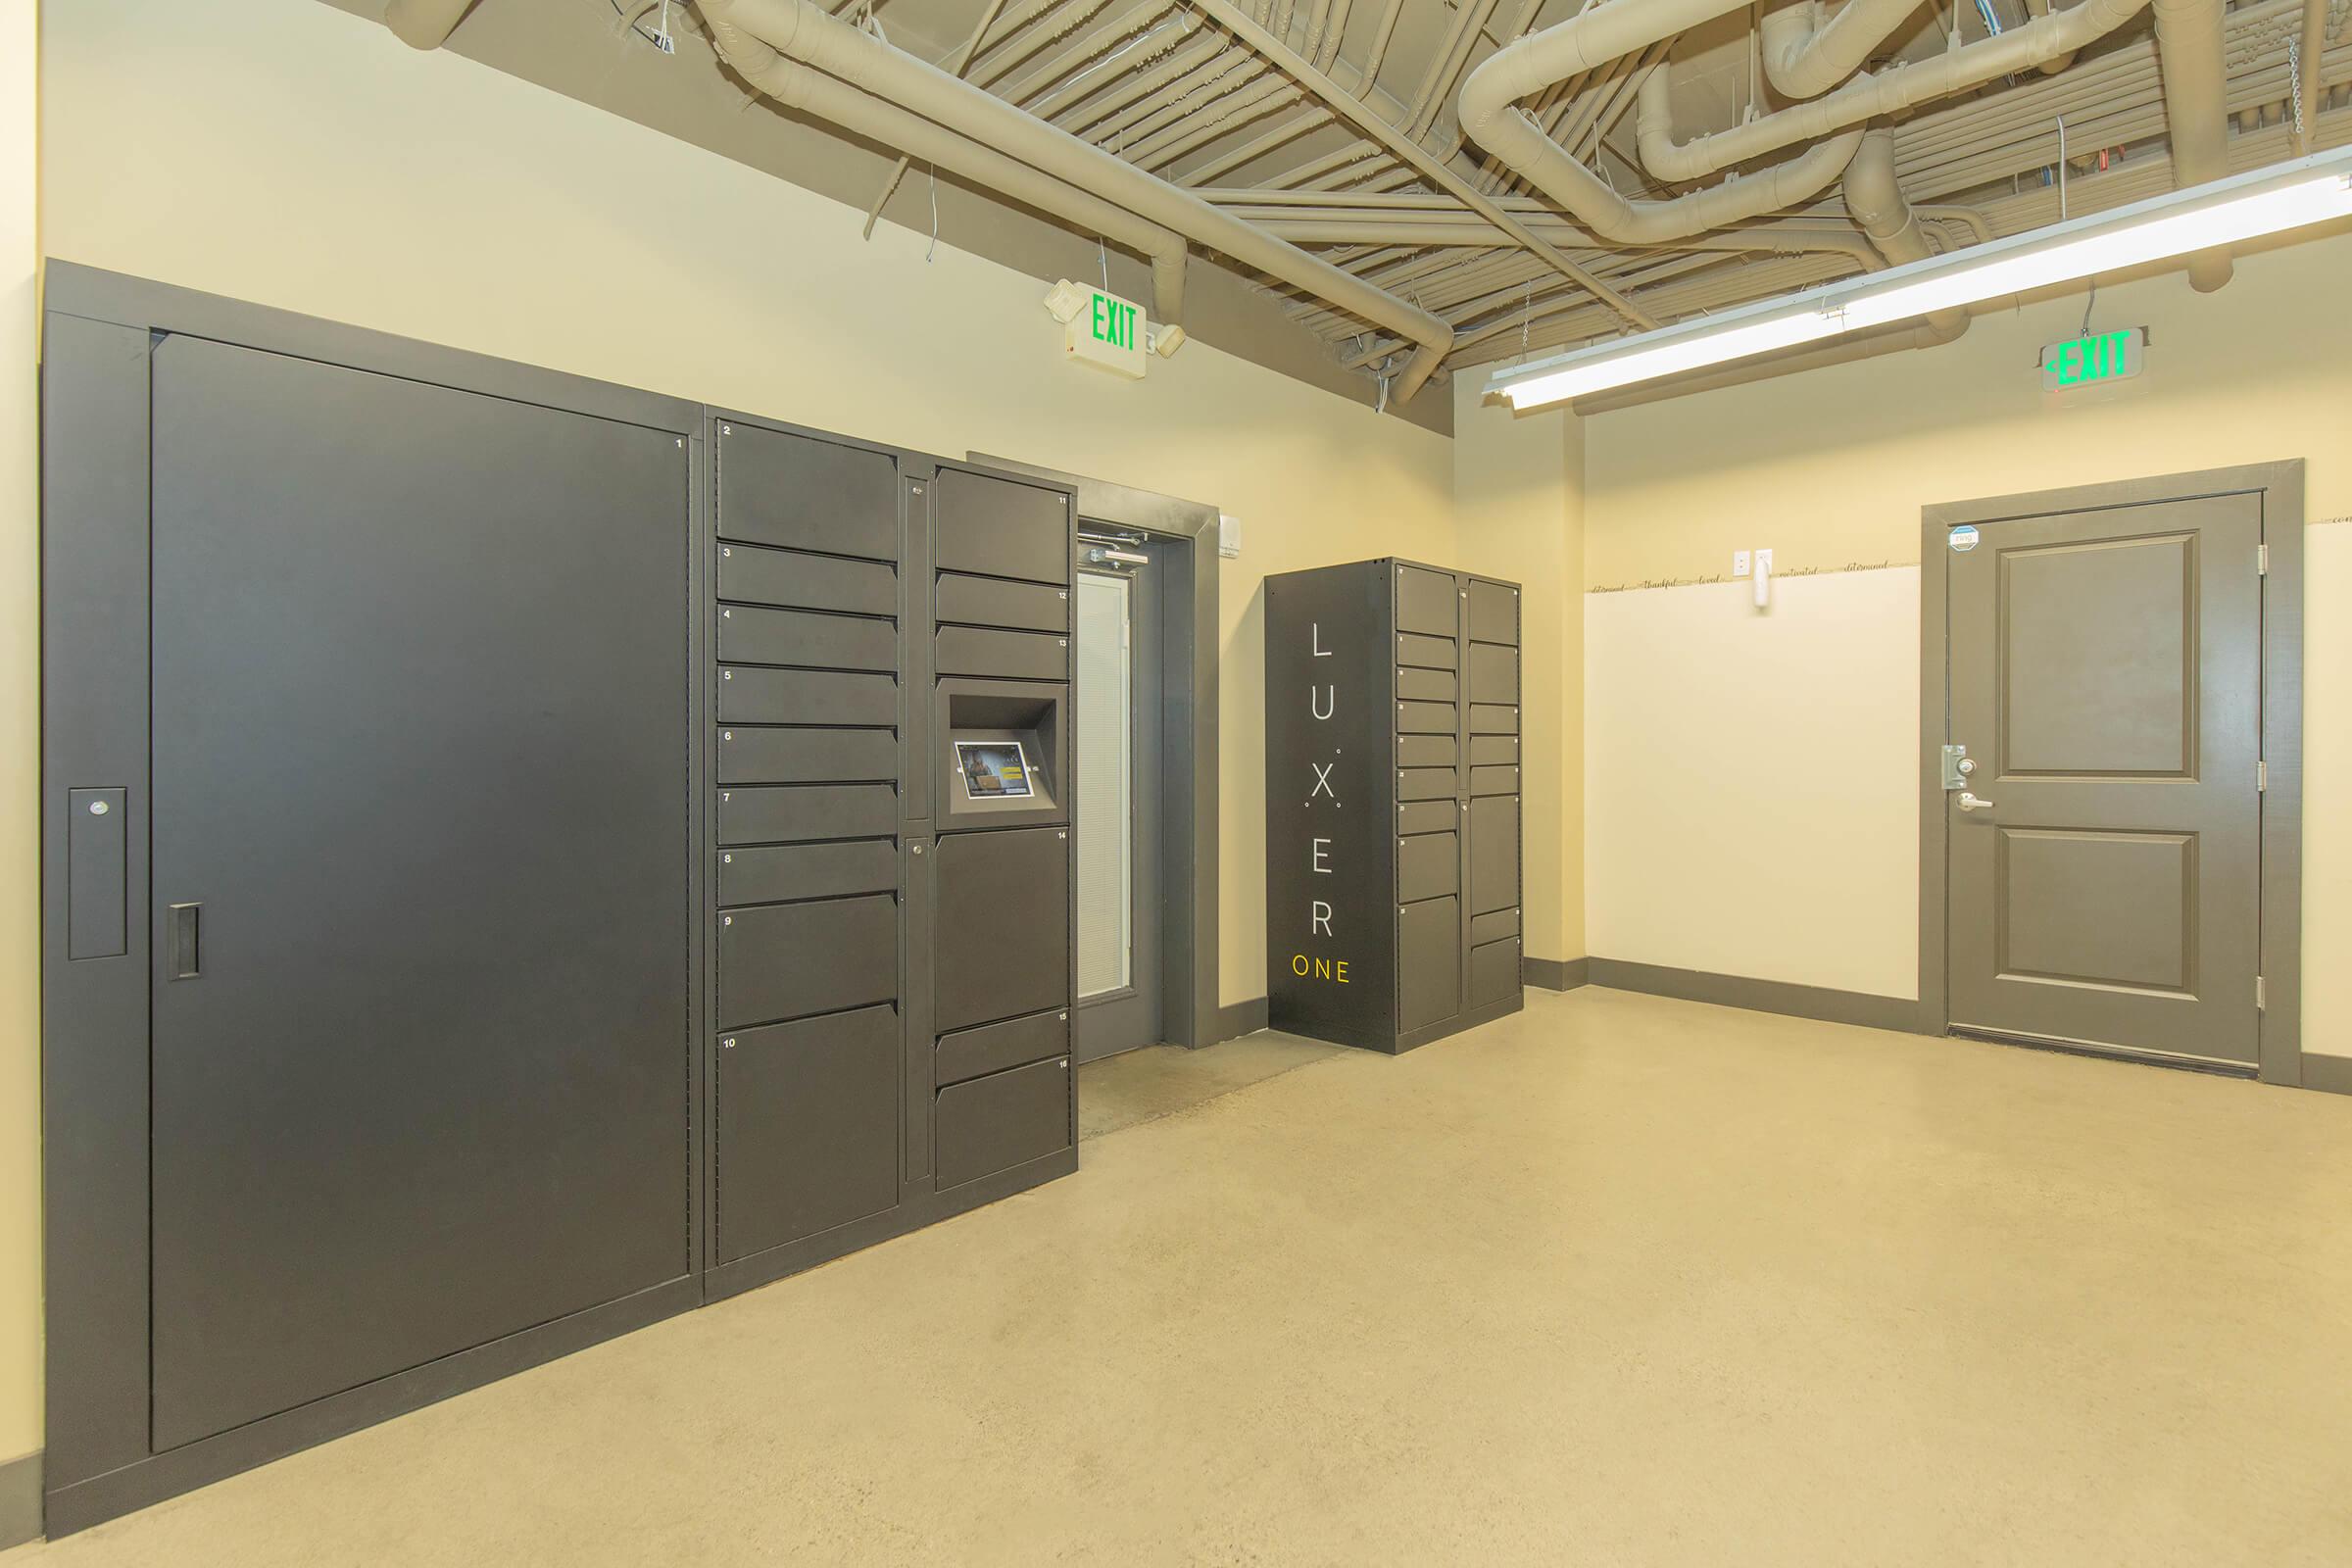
(420,767)
(2105,881)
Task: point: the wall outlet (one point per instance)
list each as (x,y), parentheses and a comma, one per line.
(1739,563)
(1229,535)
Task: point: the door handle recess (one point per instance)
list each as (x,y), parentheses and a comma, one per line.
(1973,802)
(182,931)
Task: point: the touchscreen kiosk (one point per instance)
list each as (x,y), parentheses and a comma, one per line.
(994,770)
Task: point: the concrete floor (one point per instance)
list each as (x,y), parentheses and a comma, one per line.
(1620,1281)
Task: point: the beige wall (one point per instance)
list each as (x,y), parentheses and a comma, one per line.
(1519,506)
(1830,469)
(1711,727)
(19,754)
(284,152)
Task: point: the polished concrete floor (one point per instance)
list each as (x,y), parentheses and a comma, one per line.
(1621,1281)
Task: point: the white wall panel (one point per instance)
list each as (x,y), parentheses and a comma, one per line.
(1749,798)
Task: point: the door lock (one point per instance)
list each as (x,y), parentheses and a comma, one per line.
(1957,766)
(1973,802)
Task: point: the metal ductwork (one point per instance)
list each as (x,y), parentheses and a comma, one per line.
(2188,50)
(1867,97)
(1804,59)
(1595,38)
(796,86)
(804,32)
(424,23)
(1875,198)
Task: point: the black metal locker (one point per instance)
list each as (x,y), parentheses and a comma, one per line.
(1393,758)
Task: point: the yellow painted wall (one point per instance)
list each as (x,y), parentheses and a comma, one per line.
(1519,508)
(284,152)
(1830,469)
(19,752)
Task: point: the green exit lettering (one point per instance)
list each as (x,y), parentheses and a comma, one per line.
(2085,359)
(1113,322)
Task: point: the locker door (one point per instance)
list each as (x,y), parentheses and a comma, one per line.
(419,733)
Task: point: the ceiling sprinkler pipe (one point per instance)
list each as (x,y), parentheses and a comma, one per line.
(803,31)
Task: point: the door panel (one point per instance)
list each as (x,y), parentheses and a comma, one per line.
(1121,720)
(2105,678)
(419,735)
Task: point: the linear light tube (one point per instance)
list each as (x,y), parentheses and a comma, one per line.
(2311,201)
(2225,212)
(1640,361)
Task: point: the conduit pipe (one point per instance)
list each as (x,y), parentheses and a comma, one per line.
(1869,97)
(796,87)
(1593,38)
(1875,197)
(2050,67)
(424,23)
(800,31)
(1435,228)
(1803,58)
(2306,79)
(2188,53)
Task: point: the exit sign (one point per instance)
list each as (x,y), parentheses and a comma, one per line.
(2094,361)
(1099,329)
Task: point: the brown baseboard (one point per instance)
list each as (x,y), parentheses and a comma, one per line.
(1763,996)
(2329,1075)
(1238,1018)
(20,1501)
(1558,974)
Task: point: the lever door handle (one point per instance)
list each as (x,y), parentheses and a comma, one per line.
(1973,802)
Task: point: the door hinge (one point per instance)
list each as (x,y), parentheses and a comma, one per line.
(2262,995)
(2262,777)
(2262,561)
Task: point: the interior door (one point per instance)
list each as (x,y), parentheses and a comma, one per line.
(1119,825)
(420,875)
(2104,869)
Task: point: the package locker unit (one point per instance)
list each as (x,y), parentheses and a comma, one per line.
(1392,802)
(893,918)
(506,874)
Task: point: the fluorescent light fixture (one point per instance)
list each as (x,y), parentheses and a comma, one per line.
(2294,195)
(1651,354)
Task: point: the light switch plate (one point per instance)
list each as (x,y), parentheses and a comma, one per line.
(1739,563)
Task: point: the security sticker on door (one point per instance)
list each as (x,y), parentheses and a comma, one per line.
(1964,538)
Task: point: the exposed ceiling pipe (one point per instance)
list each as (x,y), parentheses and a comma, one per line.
(2188,52)
(2312,45)
(957,63)
(1592,38)
(1804,59)
(1867,97)
(1358,114)
(802,32)
(796,87)
(1435,228)
(424,23)
(1875,199)
(2056,63)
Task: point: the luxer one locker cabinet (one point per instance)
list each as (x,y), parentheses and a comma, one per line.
(893,843)
(1392,802)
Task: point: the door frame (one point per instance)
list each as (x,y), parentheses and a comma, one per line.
(99,330)
(2281,488)
(1190,1008)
